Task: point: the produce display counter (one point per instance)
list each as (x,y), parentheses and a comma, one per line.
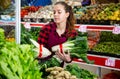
(100,61)
(89,27)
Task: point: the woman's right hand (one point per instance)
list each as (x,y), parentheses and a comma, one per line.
(65,56)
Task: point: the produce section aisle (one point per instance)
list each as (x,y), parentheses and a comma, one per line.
(99,61)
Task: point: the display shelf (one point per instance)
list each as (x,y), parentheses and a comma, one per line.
(12,23)
(32,24)
(89,27)
(104,54)
(102,61)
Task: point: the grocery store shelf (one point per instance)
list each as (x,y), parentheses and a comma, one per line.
(102,61)
(97,27)
(32,24)
(12,23)
(89,27)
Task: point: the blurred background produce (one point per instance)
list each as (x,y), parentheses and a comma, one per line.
(4,4)
(9,32)
(101,14)
(108,44)
(7,10)
(36,14)
(27,34)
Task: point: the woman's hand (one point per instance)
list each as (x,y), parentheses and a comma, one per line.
(65,56)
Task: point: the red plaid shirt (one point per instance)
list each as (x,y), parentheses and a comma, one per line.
(49,28)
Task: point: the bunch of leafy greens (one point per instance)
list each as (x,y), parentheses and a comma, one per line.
(80,48)
(80,73)
(17,61)
(77,47)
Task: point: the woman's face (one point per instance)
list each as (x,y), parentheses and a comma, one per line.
(60,15)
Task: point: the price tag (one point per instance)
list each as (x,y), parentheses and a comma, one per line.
(116,30)
(82,28)
(27,25)
(110,62)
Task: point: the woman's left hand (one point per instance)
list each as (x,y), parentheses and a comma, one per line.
(65,56)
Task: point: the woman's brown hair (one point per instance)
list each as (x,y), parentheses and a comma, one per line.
(71,18)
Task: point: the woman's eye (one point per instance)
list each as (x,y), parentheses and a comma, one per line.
(59,12)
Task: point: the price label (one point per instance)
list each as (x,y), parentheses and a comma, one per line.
(116,30)
(27,25)
(110,62)
(82,28)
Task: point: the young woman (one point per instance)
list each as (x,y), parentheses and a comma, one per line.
(59,31)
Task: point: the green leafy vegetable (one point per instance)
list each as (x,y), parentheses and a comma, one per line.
(74,69)
(2,38)
(17,62)
(78,47)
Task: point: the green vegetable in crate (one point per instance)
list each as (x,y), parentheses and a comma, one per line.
(108,41)
(74,69)
(105,47)
(77,47)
